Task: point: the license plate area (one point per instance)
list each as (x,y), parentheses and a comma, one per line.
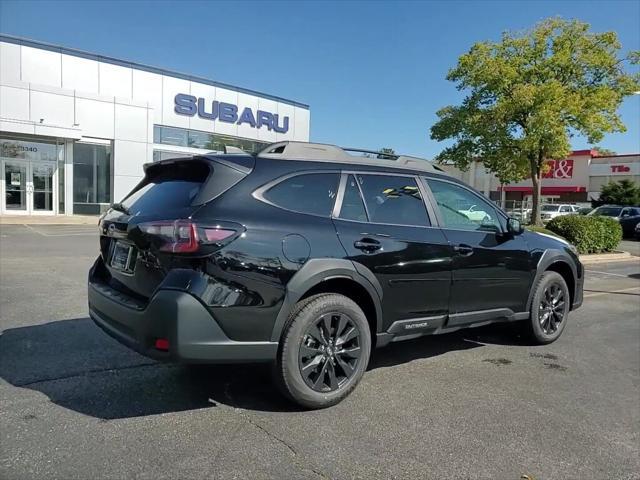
(123,257)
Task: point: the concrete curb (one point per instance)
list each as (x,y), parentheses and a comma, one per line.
(608,257)
(48,220)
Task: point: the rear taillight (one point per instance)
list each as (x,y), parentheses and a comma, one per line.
(184,236)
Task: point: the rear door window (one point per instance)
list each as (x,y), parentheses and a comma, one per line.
(393,199)
(313,193)
(352,205)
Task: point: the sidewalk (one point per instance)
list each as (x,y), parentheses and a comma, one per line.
(48,219)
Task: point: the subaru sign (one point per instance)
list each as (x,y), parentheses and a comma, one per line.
(228,112)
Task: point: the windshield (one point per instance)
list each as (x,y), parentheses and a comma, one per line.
(607,211)
(550,208)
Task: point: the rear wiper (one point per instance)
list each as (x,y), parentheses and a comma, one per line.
(121,208)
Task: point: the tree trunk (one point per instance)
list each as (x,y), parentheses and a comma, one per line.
(536,219)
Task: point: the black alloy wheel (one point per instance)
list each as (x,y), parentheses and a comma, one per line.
(551,310)
(329,352)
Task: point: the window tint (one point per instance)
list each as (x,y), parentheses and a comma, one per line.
(393,199)
(168,186)
(309,193)
(566,208)
(549,208)
(461,209)
(352,207)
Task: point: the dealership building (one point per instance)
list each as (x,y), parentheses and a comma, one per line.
(575,179)
(76,127)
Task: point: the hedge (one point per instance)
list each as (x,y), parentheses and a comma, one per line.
(589,233)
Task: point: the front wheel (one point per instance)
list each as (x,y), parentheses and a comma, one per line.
(549,309)
(325,350)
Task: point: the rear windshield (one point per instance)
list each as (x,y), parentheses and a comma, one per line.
(608,211)
(168,186)
(550,208)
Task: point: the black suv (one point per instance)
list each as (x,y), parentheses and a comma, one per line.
(307,256)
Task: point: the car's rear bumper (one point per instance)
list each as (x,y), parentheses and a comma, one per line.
(192,332)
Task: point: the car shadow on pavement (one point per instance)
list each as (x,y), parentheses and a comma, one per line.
(80,368)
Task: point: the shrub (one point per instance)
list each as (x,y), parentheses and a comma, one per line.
(589,234)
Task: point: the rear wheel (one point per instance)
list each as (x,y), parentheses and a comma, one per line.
(325,350)
(549,308)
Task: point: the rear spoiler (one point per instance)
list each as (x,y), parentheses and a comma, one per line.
(243,163)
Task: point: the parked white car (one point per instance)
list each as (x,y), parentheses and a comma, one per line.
(475,213)
(553,210)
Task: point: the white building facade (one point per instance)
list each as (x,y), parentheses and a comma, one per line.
(77,128)
(575,179)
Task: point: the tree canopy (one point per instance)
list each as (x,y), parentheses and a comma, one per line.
(529,93)
(623,192)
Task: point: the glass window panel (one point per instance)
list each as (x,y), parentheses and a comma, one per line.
(28,150)
(174,136)
(15,186)
(161,155)
(463,210)
(204,140)
(61,148)
(393,200)
(310,193)
(352,206)
(91,175)
(199,139)
(43,201)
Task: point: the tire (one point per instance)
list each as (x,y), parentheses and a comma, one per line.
(549,309)
(327,336)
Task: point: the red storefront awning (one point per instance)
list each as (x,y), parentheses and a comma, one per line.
(546,190)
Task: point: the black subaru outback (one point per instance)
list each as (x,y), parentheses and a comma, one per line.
(308,257)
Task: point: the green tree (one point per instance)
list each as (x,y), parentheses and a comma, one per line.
(624,192)
(603,152)
(529,93)
(386,153)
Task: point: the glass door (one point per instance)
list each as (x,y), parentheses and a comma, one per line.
(42,188)
(28,188)
(15,187)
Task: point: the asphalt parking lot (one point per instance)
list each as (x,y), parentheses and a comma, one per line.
(475,404)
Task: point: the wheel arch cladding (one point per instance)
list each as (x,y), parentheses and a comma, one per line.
(330,275)
(559,262)
(350,289)
(563,268)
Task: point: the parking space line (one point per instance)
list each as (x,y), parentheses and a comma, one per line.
(607,273)
(622,290)
(61,232)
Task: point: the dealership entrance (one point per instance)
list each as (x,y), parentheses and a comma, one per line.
(29,169)
(28,187)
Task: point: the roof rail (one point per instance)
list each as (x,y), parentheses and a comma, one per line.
(321,152)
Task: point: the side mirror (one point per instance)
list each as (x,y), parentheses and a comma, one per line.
(514,226)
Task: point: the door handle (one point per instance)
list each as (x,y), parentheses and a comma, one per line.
(463,250)
(367,245)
